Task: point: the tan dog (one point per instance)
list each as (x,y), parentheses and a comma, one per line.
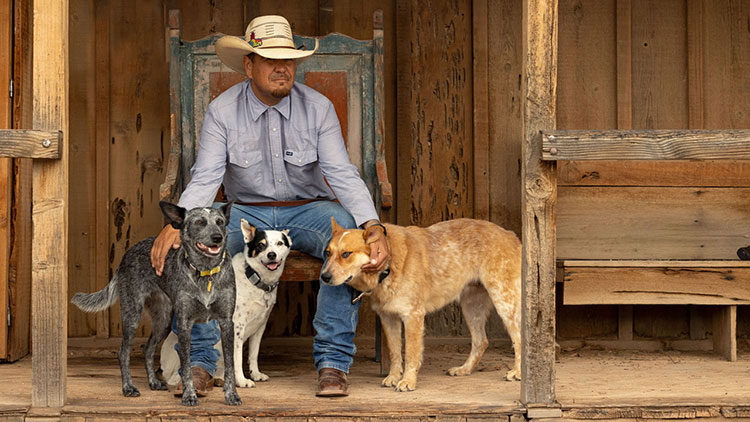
(474,262)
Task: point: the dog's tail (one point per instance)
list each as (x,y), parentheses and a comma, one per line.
(99,301)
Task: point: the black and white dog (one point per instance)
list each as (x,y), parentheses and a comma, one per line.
(197,285)
(257,272)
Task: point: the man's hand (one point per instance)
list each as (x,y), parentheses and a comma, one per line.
(379,251)
(168,238)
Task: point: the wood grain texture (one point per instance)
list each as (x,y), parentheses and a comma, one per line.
(27,143)
(671,285)
(20,259)
(650,223)
(505,118)
(50,208)
(480,77)
(539,204)
(6,174)
(621,145)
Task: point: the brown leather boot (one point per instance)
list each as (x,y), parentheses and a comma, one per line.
(202,380)
(332,383)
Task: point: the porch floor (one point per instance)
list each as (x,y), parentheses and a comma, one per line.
(592,384)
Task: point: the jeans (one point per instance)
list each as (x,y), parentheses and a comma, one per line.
(310,230)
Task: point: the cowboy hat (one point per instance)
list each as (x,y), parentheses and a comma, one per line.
(269,36)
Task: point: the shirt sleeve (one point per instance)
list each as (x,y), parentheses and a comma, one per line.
(210,164)
(340,173)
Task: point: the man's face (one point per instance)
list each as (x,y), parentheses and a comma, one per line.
(272,79)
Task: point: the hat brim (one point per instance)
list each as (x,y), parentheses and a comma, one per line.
(231,51)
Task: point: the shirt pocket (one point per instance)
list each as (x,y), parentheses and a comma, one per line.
(242,152)
(300,158)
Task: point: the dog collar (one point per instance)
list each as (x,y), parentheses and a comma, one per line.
(382,276)
(255,279)
(207,273)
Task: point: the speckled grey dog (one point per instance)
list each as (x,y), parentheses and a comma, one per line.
(197,285)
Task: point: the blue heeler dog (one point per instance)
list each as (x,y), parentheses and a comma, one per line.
(197,285)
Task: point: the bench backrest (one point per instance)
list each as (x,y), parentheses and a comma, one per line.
(348,71)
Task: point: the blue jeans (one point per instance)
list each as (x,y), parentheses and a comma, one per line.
(335,317)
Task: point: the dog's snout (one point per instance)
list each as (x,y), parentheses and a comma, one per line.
(272,255)
(217,238)
(326,277)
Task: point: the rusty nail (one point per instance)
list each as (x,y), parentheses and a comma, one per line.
(551,138)
(553,151)
(46,142)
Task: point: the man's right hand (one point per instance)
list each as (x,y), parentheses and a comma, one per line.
(168,238)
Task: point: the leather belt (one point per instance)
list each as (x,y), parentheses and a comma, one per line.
(283,203)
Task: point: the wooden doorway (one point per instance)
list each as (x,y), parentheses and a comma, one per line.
(6,180)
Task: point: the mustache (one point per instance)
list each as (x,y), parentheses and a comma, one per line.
(280,77)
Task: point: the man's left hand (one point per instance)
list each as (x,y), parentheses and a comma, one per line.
(379,251)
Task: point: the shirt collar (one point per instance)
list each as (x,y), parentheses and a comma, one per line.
(257,107)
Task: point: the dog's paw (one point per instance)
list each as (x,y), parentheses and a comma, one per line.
(391,380)
(232,398)
(244,383)
(512,375)
(458,371)
(189,400)
(258,376)
(406,385)
(130,391)
(158,385)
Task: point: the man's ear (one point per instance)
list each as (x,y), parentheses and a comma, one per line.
(226,209)
(248,63)
(174,214)
(248,230)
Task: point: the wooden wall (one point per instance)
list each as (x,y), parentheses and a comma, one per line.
(651,65)
(453,127)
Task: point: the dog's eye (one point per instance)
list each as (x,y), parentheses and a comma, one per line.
(219,222)
(327,253)
(345,254)
(200,222)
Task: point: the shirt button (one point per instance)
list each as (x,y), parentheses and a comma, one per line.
(279,180)
(274,129)
(299,161)
(276,155)
(245,161)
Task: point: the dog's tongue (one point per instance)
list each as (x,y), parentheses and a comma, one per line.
(272,266)
(209,249)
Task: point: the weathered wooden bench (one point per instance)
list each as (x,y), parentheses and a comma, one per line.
(649,248)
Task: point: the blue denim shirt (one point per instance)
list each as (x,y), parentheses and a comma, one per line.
(279,153)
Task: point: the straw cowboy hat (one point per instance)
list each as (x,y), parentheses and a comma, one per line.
(268,36)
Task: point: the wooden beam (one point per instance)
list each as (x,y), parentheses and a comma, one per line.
(539,204)
(385,193)
(27,143)
(725,332)
(6,173)
(665,263)
(646,145)
(102,133)
(672,285)
(481,111)
(50,205)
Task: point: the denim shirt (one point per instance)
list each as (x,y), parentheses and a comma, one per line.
(275,153)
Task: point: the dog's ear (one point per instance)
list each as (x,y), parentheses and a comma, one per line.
(287,239)
(335,228)
(226,209)
(174,214)
(248,230)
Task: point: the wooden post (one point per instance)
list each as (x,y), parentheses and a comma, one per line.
(539,202)
(50,208)
(725,332)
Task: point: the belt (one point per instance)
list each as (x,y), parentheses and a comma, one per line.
(283,203)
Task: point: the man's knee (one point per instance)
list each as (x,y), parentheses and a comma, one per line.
(342,216)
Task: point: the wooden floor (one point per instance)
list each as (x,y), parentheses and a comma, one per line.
(591,384)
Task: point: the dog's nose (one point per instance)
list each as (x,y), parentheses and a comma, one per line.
(272,255)
(326,277)
(217,238)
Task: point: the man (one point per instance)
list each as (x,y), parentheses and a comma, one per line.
(277,147)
